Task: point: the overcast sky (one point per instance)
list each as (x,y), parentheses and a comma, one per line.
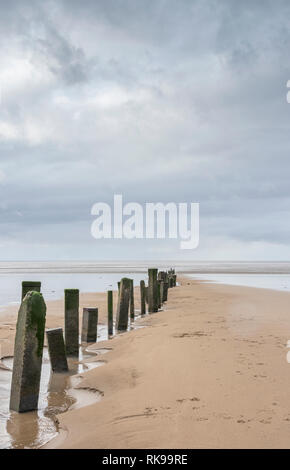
(158,100)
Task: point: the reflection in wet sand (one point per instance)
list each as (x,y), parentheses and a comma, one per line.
(58,400)
(29,430)
(57,394)
(33,429)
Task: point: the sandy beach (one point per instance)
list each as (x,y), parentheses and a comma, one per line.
(210,371)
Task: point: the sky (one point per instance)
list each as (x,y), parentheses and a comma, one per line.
(157,100)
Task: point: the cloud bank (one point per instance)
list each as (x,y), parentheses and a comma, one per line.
(164,100)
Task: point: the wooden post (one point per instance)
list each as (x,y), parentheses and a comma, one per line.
(110,312)
(132,305)
(165,288)
(123,305)
(159,293)
(152,291)
(90,325)
(56,350)
(29,286)
(71,308)
(143,297)
(28,351)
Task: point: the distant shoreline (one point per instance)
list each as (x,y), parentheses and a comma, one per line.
(182,267)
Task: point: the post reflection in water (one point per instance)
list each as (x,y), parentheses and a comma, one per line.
(33,429)
(58,392)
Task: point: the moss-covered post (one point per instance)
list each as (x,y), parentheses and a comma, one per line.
(165,291)
(110,312)
(152,290)
(132,304)
(56,350)
(143,297)
(90,325)
(28,351)
(71,309)
(29,286)
(123,305)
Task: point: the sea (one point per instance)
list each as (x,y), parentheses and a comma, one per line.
(101,276)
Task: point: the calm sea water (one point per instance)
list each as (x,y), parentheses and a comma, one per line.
(98,277)
(53,284)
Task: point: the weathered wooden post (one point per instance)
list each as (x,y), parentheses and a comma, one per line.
(56,350)
(71,308)
(174,280)
(110,312)
(146,294)
(29,286)
(143,297)
(90,325)
(132,304)
(152,291)
(171,278)
(28,351)
(159,293)
(118,301)
(123,304)
(165,291)
(165,287)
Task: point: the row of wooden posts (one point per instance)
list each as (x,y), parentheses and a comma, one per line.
(30,329)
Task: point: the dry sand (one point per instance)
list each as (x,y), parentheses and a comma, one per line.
(209,372)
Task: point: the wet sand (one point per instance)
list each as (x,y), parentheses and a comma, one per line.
(209,371)
(58,392)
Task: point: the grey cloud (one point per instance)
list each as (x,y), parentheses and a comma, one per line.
(162,100)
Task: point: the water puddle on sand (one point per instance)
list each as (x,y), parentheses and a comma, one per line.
(58,393)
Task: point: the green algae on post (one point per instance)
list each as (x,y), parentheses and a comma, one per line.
(28,352)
